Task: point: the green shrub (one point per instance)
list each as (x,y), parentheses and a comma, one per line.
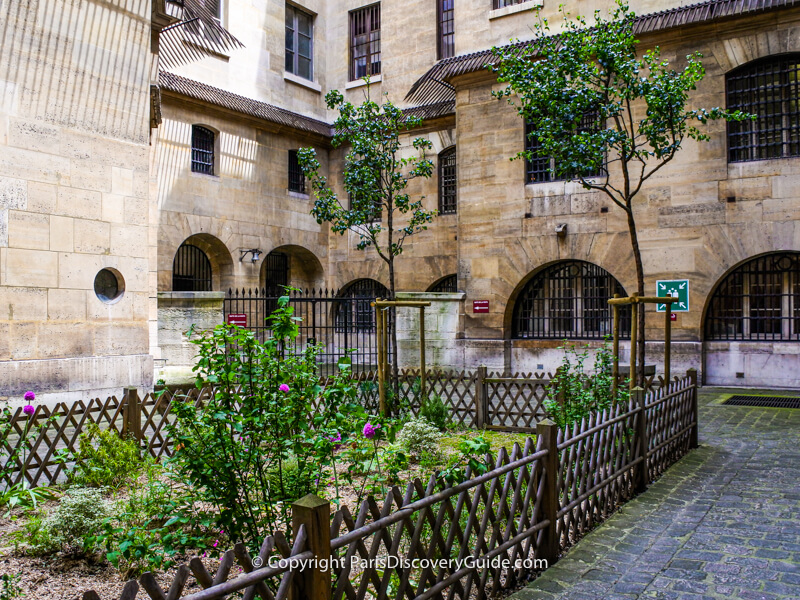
(9,587)
(419,437)
(435,411)
(291,480)
(105,460)
(78,516)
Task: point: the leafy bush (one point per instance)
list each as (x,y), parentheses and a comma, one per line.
(419,437)
(291,481)
(70,526)
(435,411)
(9,587)
(574,393)
(473,454)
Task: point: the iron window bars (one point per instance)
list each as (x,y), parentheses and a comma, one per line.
(569,300)
(542,168)
(446,31)
(359,315)
(297,180)
(365,42)
(299,43)
(191,270)
(275,269)
(447,182)
(503,3)
(447,284)
(759,301)
(202,150)
(770,89)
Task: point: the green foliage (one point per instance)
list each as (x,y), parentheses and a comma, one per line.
(229,448)
(575,394)
(474,455)
(21,496)
(9,587)
(419,437)
(69,526)
(13,454)
(290,480)
(435,411)
(105,460)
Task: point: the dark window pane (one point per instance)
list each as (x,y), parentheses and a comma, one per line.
(191,270)
(299,42)
(447,181)
(297,181)
(365,47)
(202,150)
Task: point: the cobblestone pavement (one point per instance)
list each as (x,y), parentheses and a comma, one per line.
(724,522)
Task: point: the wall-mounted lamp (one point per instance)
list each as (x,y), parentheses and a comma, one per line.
(561,230)
(255,252)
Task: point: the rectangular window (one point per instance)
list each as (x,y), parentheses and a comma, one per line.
(447,182)
(542,168)
(297,181)
(503,3)
(446,46)
(365,42)
(299,43)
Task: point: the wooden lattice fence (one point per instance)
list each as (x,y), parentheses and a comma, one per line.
(473,539)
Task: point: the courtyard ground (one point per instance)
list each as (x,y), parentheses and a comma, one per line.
(724,522)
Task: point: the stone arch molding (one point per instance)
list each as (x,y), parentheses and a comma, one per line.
(305,267)
(737,51)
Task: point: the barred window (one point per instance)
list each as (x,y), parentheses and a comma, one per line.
(447,284)
(770,89)
(759,301)
(202,150)
(365,42)
(377,212)
(299,42)
(447,181)
(191,270)
(503,3)
(275,273)
(358,314)
(569,300)
(541,168)
(297,180)
(446,41)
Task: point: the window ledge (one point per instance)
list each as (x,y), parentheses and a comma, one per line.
(301,81)
(514,9)
(362,82)
(300,195)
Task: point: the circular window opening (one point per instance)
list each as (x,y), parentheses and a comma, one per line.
(109,285)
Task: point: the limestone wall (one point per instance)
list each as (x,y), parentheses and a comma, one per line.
(443,324)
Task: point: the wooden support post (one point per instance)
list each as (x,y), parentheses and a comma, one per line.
(634,331)
(642,473)
(481,398)
(693,438)
(615,366)
(422,382)
(667,343)
(379,319)
(315,514)
(132,414)
(547,433)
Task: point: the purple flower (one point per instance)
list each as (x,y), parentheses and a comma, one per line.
(283,387)
(28,410)
(30,396)
(335,439)
(369,430)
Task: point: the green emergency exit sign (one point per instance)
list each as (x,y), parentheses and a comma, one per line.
(677,288)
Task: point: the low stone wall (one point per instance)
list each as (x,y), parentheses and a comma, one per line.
(443,324)
(177,312)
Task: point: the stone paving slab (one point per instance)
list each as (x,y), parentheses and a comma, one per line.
(723,522)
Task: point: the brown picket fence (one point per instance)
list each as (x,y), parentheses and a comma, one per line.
(472,540)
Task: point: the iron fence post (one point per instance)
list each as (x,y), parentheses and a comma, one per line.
(547,433)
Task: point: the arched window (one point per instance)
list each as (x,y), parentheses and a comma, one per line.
(202,150)
(569,300)
(770,89)
(275,270)
(356,313)
(447,181)
(447,284)
(760,300)
(191,270)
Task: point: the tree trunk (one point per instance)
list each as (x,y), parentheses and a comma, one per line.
(638,377)
(393,325)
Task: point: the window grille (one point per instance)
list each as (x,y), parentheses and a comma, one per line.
(446,42)
(569,300)
(276,272)
(759,301)
(503,3)
(542,168)
(359,315)
(447,284)
(365,42)
(299,42)
(191,270)
(202,150)
(769,89)
(297,180)
(447,182)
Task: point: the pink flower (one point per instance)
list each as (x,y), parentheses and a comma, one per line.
(28,410)
(283,387)
(30,396)
(369,430)
(335,439)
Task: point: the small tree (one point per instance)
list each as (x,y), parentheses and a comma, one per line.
(596,107)
(376,175)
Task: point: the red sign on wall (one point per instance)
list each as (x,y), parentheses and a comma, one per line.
(480,306)
(673,317)
(239,319)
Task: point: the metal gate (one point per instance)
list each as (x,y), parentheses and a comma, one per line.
(337,323)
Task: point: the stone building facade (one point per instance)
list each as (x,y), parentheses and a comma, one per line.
(217,180)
